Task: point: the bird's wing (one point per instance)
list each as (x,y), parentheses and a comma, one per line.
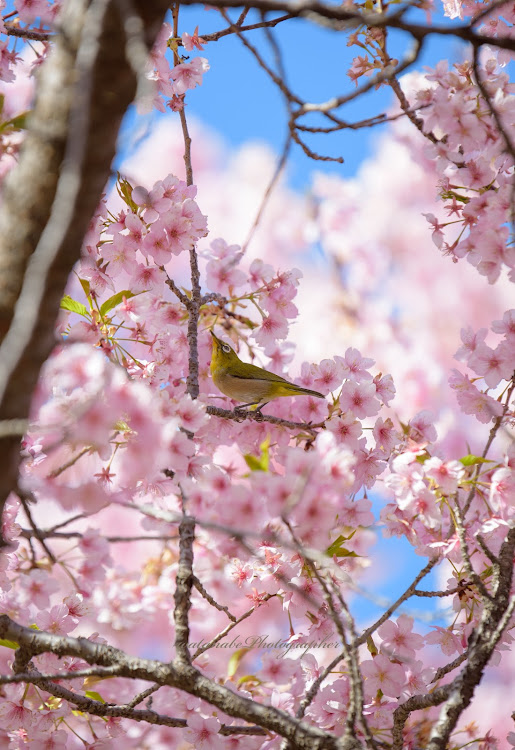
(257,373)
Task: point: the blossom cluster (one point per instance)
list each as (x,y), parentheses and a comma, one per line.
(113,427)
(475,169)
(492,365)
(286,523)
(173,81)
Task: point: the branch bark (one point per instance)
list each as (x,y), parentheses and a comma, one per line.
(42,220)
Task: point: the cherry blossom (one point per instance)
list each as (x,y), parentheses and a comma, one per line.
(382,674)
(121,447)
(188,75)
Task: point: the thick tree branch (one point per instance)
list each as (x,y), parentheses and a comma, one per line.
(80,103)
(181,676)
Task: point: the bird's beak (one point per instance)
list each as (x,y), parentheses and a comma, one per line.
(215,337)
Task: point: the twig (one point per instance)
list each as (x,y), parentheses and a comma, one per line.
(49,534)
(194,302)
(240,415)
(73,460)
(35,36)
(183,585)
(24,501)
(251,27)
(32,676)
(471,573)
(396,604)
(450,667)
(268,192)
(170,283)
(415,703)
(201,649)
(143,696)
(202,591)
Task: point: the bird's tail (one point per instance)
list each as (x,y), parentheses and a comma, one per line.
(298,390)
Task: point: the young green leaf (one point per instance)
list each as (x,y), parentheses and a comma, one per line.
(337,549)
(67,303)
(471,460)
(85,286)
(234,662)
(115,300)
(9,644)
(261,463)
(94,696)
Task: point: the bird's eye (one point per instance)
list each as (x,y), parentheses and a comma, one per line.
(226,348)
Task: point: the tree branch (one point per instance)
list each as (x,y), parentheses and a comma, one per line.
(85,87)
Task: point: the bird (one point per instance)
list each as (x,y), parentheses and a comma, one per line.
(249,383)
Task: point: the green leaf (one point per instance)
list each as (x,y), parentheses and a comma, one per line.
(372,646)
(94,696)
(471,460)
(67,303)
(337,549)
(234,662)
(341,552)
(124,189)
(9,644)
(15,123)
(19,122)
(121,426)
(86,286)
(252,462)
(115,300)
(261,463)
(249,678)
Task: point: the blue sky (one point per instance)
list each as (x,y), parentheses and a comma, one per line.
(238,100)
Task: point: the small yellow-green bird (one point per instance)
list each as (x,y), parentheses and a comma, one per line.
(243,382)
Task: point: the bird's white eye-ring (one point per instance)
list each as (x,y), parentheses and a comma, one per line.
(226,348)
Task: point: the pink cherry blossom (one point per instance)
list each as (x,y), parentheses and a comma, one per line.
(56,620)
(502,491)
(346,429)
(355,367)
(188,75)
(272,327)
(15,715)
(472,401)
(422,427)
(37,588)
(192,41)
(277,670)
(446,474)
(382,674)
(359,399)
(385,435)
(385,388)
(471,341)
(328,376)
(445,639)
(399,640)
(493,365)
(506,325)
